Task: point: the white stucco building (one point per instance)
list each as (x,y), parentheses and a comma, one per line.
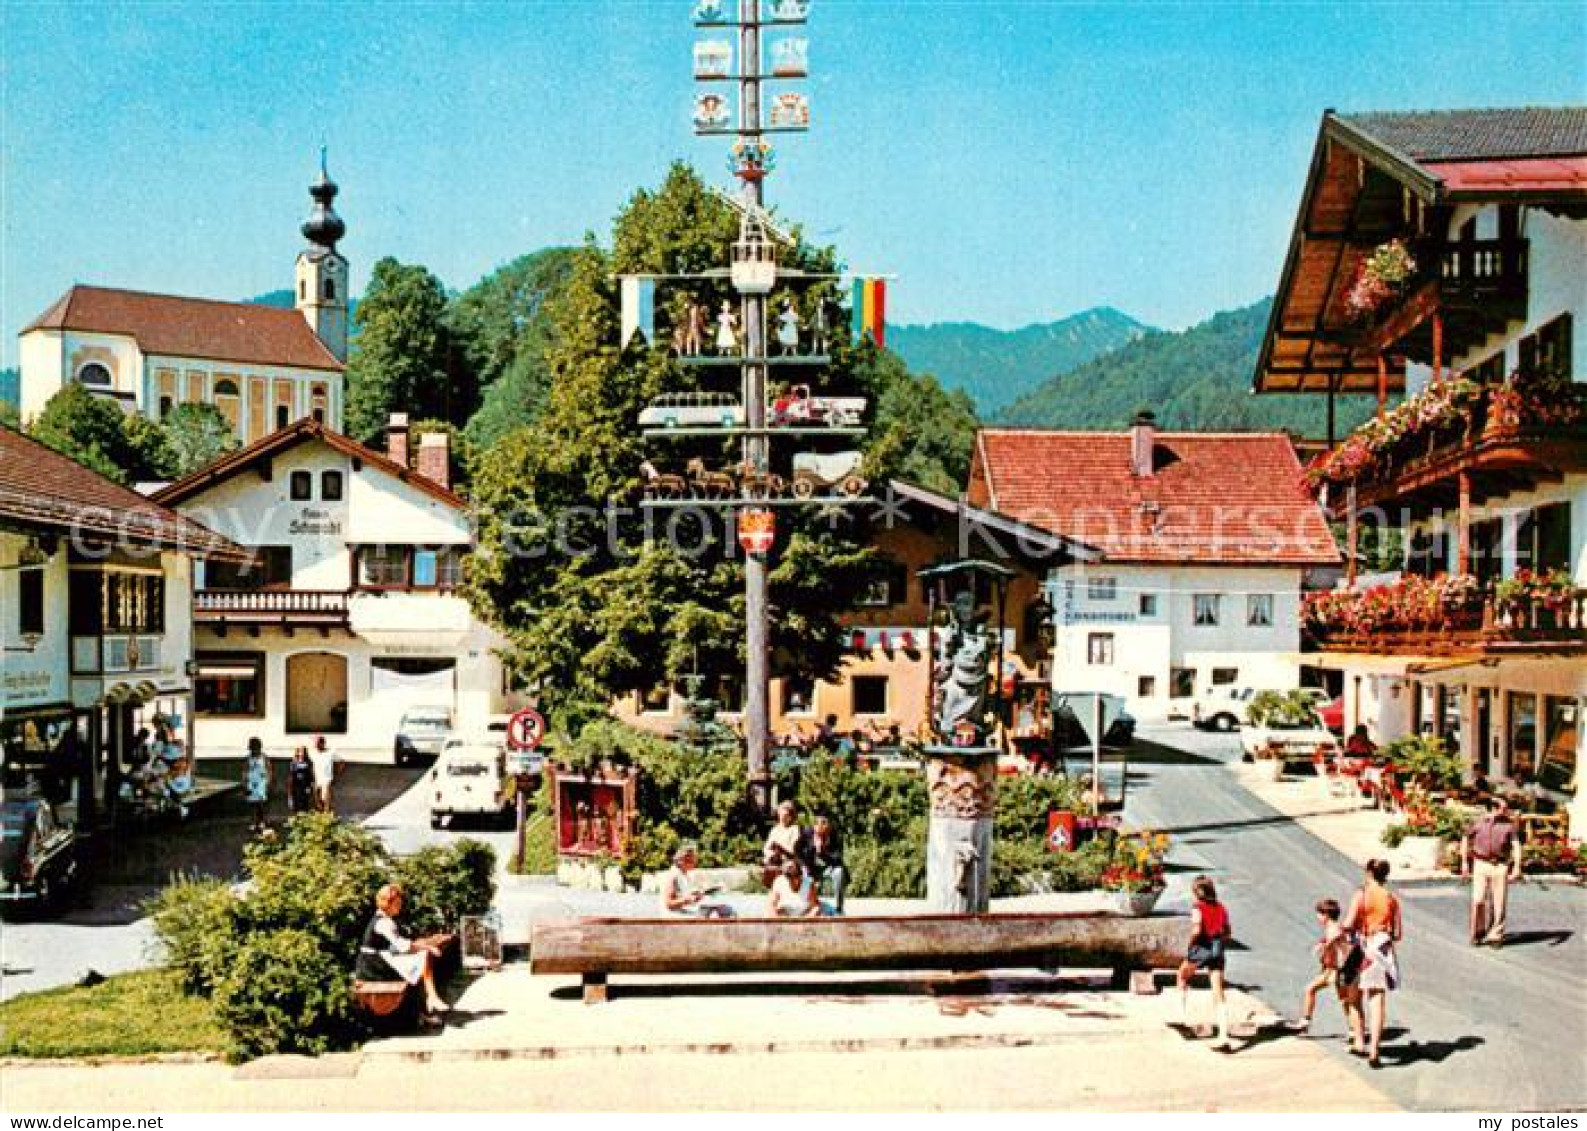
(260,366)
(348,614)
(1205,540)
(1491,206)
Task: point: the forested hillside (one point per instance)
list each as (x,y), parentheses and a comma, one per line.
(996,366)
(1197,380)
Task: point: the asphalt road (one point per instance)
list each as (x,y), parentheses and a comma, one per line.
(1472,1029)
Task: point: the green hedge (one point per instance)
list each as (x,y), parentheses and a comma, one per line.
(693,794)
(276,956)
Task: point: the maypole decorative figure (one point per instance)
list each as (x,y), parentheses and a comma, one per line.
(689,339)
(788,329)
(727,338)
(818,330)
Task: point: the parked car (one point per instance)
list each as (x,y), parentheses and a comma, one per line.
(38,856)
(1332,714)
(470,778)
(1288,740)
(1225,708)
(422,731)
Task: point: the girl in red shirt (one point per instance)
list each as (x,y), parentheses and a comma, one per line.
(1209,936)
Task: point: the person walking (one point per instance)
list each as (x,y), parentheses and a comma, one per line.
(256,783)
(1490,854)
(324,763)
(1210,931)
(300,783)
(1374,917)
(1336,969)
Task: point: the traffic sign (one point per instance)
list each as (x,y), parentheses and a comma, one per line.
(526,729)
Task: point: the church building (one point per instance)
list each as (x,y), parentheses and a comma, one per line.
(262,367)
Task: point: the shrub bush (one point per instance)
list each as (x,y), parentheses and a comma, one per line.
(286,992)
(320,878)
(1426,759)
(278,960)
(195,920)
(443,883)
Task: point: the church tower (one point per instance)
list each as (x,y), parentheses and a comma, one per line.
(322,280)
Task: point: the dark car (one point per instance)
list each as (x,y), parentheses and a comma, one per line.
(38,856)
(1069,733)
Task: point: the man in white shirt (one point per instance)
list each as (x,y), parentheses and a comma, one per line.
(324,763)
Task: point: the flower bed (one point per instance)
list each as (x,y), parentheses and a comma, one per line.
(1136,865)
(1555,856)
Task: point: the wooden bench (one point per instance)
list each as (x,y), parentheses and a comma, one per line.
(594,949)
(383,999)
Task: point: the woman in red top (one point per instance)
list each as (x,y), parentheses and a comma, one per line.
(1209,936)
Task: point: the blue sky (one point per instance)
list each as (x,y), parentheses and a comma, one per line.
(1011,162)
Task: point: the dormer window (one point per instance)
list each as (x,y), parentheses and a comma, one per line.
(94,375)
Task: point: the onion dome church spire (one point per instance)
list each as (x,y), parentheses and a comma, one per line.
(322,272)
(324,227)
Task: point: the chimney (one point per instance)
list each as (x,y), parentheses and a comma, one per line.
(1143,438)
(397,438)
(435,452)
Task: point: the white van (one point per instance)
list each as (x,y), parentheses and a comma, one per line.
(470,778)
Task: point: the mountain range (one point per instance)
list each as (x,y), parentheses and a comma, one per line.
(1196,379)
(996,366)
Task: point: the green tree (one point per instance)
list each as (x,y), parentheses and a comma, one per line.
(593,604)
(405,355)
(922,429)
(504,327)
(90,430)
(197,435)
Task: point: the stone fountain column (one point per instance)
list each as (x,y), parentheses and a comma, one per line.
(962,785)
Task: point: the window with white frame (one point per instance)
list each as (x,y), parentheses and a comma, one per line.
(1205,609)
(1259,610)
(1102,589)
(1099,648)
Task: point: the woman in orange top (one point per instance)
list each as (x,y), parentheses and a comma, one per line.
(1374,916)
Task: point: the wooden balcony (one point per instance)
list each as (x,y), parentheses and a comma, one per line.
(287,608)
(1476,287)
(1496,462)
(1531,627)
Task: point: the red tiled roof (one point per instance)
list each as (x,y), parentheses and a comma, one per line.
(1227,498)
(291,436)
(40,489)
(173,326)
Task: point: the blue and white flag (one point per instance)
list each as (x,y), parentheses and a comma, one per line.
(639,309)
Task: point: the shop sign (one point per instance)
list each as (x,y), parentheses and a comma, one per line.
(314,520)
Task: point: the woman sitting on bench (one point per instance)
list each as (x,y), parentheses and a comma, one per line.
(386,951)
(793,894)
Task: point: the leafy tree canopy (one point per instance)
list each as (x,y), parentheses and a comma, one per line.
(94,432)
(406,357)
(197,435)
(504,327)
(598,601)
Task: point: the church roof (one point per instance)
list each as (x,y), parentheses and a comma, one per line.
(177,326)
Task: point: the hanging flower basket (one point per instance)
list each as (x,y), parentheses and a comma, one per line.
(1381,276)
